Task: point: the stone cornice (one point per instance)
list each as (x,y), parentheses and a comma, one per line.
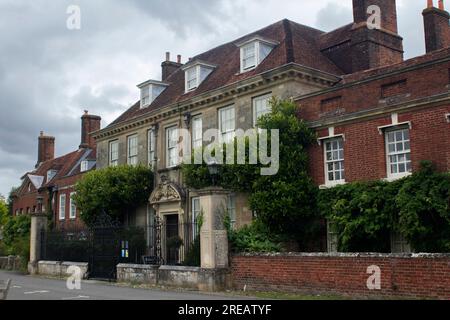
(288,71)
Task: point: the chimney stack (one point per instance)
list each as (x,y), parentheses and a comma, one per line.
(436,24)
(46,148)
(89,124)
(372,47)
(169,67)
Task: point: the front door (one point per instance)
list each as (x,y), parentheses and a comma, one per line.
(173,240)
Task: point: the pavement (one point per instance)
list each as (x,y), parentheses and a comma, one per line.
(25,287)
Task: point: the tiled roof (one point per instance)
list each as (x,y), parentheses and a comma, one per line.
(297,44)
(66,165)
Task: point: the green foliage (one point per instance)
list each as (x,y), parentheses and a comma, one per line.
(253,238)
(114,190)
(16,237)
(193,257)
(4,214)
(365,214)
(285,202)
(424,214)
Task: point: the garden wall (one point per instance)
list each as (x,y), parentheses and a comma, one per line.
(59,269)
(10,263)
(405,275)
(174,276)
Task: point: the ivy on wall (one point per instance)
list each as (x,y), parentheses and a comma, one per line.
(366,214)
(284,203)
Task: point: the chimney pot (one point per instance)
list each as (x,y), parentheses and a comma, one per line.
(430,4)
(441,5)
(167,56)
(179,59)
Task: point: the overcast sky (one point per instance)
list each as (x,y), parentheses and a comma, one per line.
(49,74)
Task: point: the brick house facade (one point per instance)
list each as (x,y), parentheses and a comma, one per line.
(377,116)
(49,187)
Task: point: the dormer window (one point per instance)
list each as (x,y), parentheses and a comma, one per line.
(150,90)
(254,51)
(195,73)
(86,165)
(50,175)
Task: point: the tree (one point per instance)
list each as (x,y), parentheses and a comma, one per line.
(116,191)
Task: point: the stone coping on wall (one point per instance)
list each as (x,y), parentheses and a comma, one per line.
(350,255)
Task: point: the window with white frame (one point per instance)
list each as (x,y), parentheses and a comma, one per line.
(196,211)
(150,90)
(73,208)
(172,147)
(191,79)
(261,107)
(332,237)
(132,150)
(254,51)
(62,207)
(145,96)
(249,56)
(151,148)
(334,161)
(231,209)
(398,151)
(227,124)
(197,132)
(114,153)
(84,166)
(195,73)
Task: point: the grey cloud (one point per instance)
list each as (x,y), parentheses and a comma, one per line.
(332,16)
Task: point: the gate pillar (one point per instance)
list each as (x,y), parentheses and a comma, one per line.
(38,225)
(213,235)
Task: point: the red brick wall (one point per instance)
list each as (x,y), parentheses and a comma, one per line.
(364,146)
(401,276)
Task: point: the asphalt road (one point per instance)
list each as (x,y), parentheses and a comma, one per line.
(25,287)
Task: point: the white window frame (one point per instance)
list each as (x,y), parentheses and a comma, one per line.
(145,96)
(72,207)
(170,147)
(195,70)
(113,162)
(226,133)
(255,46)
(84,166)
(231,210)
(328,182)
(132,154)
(390,175)
(266,97)
(196,212)
(197,142)
(151,140)
(62,207)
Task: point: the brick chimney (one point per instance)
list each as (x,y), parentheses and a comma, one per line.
(373,48)
(437,29)
(89,124)
(169,67)
(46,148)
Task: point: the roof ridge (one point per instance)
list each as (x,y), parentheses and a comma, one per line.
(288,40)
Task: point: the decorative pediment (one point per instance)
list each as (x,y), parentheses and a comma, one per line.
(166,192)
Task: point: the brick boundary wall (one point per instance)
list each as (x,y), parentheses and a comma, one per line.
(402,275)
